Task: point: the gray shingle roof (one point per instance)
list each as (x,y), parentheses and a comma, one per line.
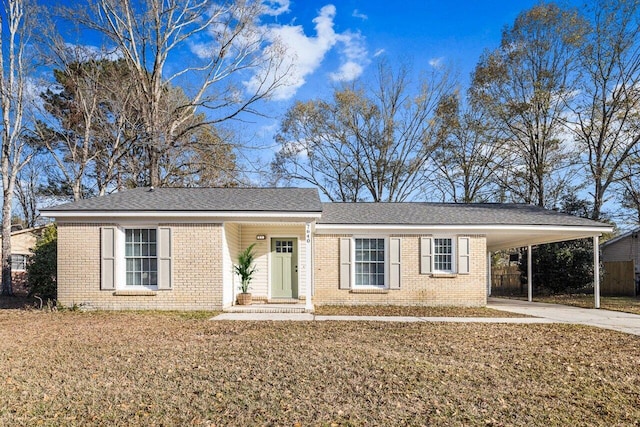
(202,200)
(447,214)
(620,237)
(308,200)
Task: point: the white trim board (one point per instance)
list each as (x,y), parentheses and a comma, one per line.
(228,215)
(474,229)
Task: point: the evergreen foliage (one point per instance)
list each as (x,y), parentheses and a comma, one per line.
(564,266)
(42,268)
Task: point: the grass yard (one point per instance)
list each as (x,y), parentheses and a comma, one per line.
(70,368)
(394,310)
(626,304)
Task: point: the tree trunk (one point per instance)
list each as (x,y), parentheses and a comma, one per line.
(154,167)
(7,288)
(77,189)
(541,191)
(597,201)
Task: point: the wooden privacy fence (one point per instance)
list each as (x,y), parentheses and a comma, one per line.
(619,279)
(506,281)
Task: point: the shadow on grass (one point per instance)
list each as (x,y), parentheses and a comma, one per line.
(17,303)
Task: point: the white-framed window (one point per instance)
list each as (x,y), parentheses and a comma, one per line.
(370,262)
(445,254)
(136,257)
(443,251)
(19,262)
(140,256)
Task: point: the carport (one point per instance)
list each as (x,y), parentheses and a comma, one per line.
(508,236)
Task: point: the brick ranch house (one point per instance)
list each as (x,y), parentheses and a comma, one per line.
(175,248)
(22,242)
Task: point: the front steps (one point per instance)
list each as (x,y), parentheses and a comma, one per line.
(290,306)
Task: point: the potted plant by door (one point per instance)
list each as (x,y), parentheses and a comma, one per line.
(245,269)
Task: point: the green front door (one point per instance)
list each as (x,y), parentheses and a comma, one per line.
(284,268)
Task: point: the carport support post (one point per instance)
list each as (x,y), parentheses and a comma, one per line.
(489,273)
(596,271)
(529,275)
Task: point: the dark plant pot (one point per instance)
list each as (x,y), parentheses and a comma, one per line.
(244,299)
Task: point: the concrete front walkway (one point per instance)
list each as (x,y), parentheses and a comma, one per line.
(544,313)
(607,319)
(308,317)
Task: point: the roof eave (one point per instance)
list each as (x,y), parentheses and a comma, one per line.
(620,237)
(62,214)
(466,227)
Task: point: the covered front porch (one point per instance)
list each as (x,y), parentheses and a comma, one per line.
(282,280)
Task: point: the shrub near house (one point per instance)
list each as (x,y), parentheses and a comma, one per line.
(22,244)
(42,268)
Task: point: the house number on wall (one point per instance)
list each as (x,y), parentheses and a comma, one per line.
(308,232)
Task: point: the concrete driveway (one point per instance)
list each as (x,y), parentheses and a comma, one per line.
(615,320)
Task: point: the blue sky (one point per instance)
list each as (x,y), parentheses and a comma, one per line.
(341,40)
(332,42)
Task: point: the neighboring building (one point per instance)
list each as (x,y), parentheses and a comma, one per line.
(174,248)
(22,242)
(625,247)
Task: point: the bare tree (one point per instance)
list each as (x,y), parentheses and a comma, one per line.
(199,156)
(523,85)
(94,124)
(468,154)
(606,120)
(630,196)
(367,143)
(209,160)
(628,191)
(151,34)
(15,65)
(27,190)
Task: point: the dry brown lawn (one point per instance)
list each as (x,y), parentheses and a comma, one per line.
(626,304)
(394,310)
(70,368)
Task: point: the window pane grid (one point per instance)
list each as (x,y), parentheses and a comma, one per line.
(369,262)
(284,246)
(140,257)
(18,262)
(443,254)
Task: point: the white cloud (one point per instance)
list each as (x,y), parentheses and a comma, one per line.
(347,72)
(378,53)
(202,50)
(354,53)
(305,54)
(32,91)
(436,62)
(353,46)
(276,7)
(223,18)
(267,131)
(357,14)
